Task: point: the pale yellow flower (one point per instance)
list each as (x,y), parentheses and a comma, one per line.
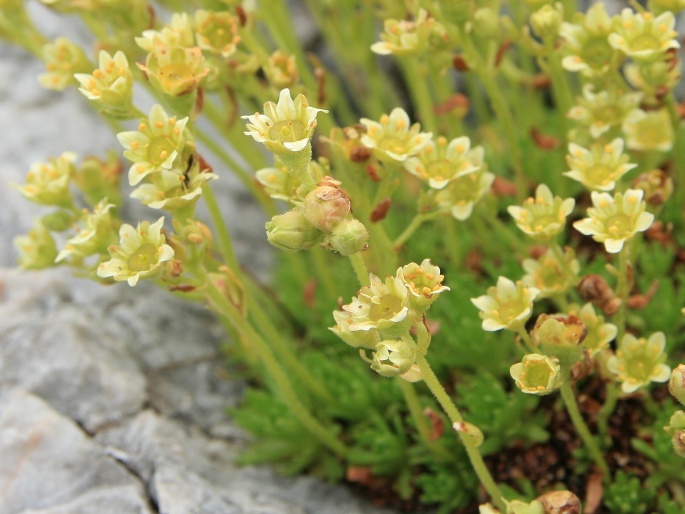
(155,146)
(544,216)
(586,46)
(549,275)
(536,374)
(379,305)
(424,283)
(393,139)
(599,167)
(441,162)
(462,193)
(402,37)
(47,183)
(140,254)
(284,127)
(506,305)
(647,131)
(640,361)
(644,37)
(605,110)
(615,220)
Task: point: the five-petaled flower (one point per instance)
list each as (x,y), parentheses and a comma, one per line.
(544,216)
(615,220)
(507,305)
(640,361)
(140,253)
(393,139)
(284,127)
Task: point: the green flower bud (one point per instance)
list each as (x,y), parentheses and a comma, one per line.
(58,221)
(48,183)
(37,249)
(486,23)
(348,237)
(546,21)
(471,431)
(325,207)
(292,232)
(62,60)
(676,384)
(536,374)
(676,428)
(393,357)
(281,70)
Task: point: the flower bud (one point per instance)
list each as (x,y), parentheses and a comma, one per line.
(62,60)
(676,385)
(676,427)
(560,502)
(348,237)
(560,337)
(656,184)
(281,70)
(536,374)
(546,21)
(486,23)
(471,431)
(37,249)
(291,231)
(413,375)
(325,206)
(393,357)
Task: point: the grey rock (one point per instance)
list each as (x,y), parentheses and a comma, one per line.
(127,499)
(79,370)
(47,461)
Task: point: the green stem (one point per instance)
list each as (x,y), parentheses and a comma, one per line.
(526,340)
(569,398)
(622,290)
(360,269)
(455,416)
(415,223)
(420,419)
(222,233)
(285,389)
(246,178)
(420,93)
(607,410)
(285,352)
(501,108)
(323,272)
(559,254)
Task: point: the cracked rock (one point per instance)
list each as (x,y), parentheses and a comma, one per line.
(49,465)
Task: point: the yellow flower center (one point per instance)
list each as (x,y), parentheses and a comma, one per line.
(440,170)
(645,42)
(537,374)
(619,224)
(143,258)
(288,131)
(177,76)
(597,52)
(159,150)
(393,144)
(387,307)
(599,174)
